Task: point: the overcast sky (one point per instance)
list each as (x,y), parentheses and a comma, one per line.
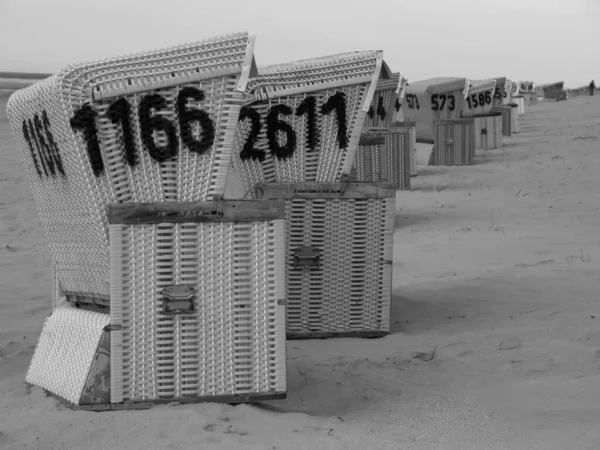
(538,40)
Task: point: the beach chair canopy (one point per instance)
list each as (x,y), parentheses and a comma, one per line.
(433,99)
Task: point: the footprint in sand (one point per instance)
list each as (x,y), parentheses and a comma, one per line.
(10,349)
(591,339)
(510,343)
(226,429)
(538,368)
(3,438)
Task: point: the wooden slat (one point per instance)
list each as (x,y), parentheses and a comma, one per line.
(490,114)
(371,140)
(325,190)
(464,120)
(407,123)
(342,334)
(195,212)
(229,399)
(271,91)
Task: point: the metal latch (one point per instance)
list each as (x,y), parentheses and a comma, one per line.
(484,131)
(449,141)
(307,255)
(178,299)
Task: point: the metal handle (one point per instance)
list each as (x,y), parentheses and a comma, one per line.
(307,256)
(178,299)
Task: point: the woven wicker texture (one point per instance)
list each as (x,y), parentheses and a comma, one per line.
(499,91)
(519,100)
(524,87)
(488,131)
(414,168)
(98,123)
(514,116)
(530,98)
(57,292)
(385,102)
(430,100)
(581,90)
(507,120)
(454,143)
(65,351)
(479,97)
(509,90)
(389,161)
(342,84)
(234,341)
(350,292)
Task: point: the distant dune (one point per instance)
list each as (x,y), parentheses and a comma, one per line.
(12,81)
(24,75)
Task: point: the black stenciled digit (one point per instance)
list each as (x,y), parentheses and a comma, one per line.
(249,152)
(381,109)
(481,98)
(188,116)
(434,102)
(451,102)
(413,101)
(33,135)
(46,152)
(52,142)
(488,97)
(84,120)
(309,107)
(474,100)
(31,149)
(337,103)
(274,127)
(120,113)
(469,102)
(149,124)
(442,101)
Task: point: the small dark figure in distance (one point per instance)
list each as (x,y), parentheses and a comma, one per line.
(592,87)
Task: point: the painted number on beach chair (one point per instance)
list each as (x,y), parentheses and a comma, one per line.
(157,133)
(44,151)
(477,100)
(439,101)
(412,101)
(381,112)
(277,126)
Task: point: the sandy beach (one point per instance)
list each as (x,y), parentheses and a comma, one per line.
(496,320)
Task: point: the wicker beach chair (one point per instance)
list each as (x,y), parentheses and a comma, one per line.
(386,155)
(339,256)
(302,120)
(168,293)
(436,106)
(479,102)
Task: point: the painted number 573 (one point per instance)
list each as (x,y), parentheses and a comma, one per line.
(439,102)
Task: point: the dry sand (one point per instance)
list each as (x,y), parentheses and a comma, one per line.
(496,268)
